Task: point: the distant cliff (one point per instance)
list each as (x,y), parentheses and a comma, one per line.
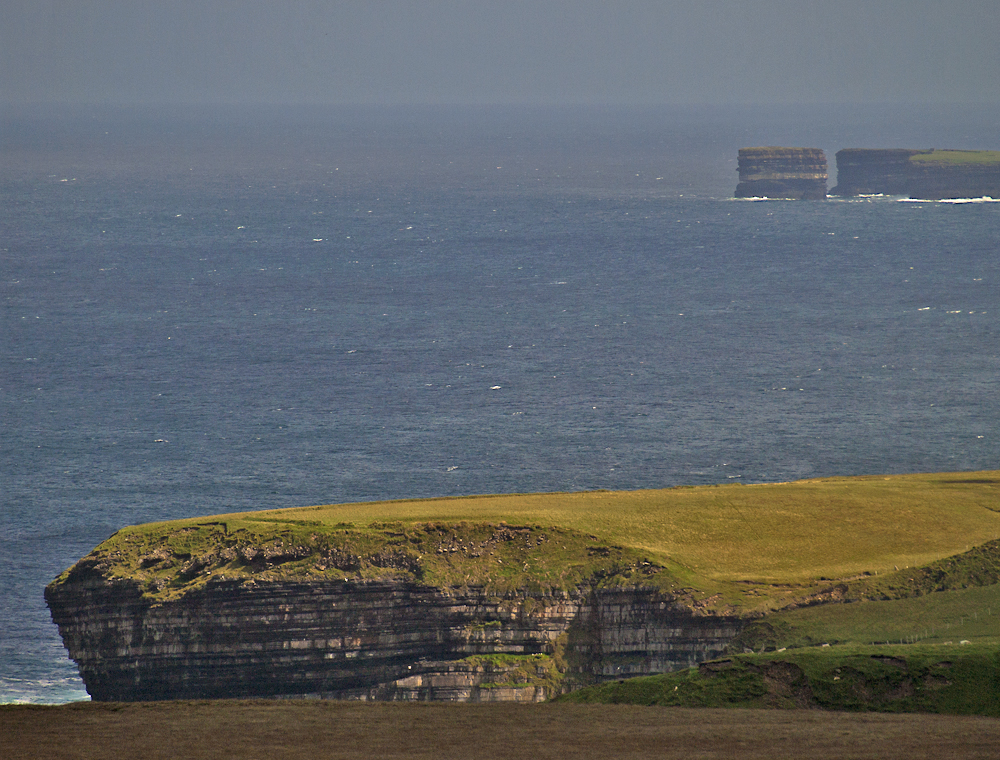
(930,174)
(210,612)
(796,173)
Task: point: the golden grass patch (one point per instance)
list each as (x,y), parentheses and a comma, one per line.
(777,533)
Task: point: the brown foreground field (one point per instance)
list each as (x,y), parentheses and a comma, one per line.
(276,730)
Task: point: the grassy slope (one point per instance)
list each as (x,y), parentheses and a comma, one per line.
(757,546)
(784,533)
(966,614)
(941,679)
(948,600)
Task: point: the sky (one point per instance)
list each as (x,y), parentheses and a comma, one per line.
(499,51)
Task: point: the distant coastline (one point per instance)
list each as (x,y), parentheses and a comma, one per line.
(801,173)
(930,174)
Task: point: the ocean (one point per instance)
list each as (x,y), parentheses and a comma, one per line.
(220,309)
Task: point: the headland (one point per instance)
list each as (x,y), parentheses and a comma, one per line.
(507,598)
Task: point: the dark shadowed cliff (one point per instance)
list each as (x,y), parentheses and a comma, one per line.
(930,174)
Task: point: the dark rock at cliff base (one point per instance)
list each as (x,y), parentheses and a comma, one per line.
(929,174)
(773,172)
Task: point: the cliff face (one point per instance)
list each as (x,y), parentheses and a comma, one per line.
(390,640)
(248,606)
(796,173)
(930,174)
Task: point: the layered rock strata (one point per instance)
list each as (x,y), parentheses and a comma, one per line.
(794,173)
(929,174)
(386,640)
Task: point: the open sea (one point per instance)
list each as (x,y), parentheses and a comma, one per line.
(213,310)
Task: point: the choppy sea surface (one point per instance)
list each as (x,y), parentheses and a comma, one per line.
(211,311)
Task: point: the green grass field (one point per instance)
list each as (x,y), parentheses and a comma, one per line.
(788,532)
(757,547)
(958,157)
(950,679)
(970,614)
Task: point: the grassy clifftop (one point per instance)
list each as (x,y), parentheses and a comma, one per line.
(733,547)
(170,559)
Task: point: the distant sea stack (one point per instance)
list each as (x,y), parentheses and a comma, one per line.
(930,174)
(795,173)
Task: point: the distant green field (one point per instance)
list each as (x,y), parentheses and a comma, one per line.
(958,157)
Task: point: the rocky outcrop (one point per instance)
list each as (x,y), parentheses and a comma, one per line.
(796,173)
(387,640)
(930,174)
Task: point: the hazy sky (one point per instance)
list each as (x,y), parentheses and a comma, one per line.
(503,51)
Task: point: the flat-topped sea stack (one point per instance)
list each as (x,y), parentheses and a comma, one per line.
(929,174)
(773,172)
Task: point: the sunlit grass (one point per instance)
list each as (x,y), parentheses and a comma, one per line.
(969,614)
(777,533)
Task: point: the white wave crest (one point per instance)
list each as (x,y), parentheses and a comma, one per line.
(983,199)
